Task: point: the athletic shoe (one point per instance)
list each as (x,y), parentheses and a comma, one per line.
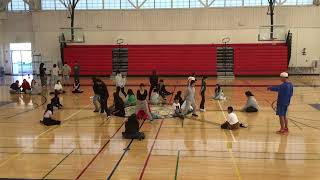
(202,110)
(286,130)
(281,131)
(96,111)
(195,115)
(108,117)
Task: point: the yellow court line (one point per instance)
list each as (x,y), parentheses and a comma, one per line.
(38,137)
(229,147)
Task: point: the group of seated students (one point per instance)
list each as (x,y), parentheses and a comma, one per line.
(25,87)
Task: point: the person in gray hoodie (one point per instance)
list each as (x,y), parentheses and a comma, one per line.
(251,105)
(190,99)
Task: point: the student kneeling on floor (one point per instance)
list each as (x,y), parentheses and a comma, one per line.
(47,117)
(132,129)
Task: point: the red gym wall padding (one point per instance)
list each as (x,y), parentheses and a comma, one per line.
(249,59)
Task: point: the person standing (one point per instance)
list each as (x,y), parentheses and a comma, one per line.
(54,74)
(43,77)
(190,99)
(66,70)
(153,79)
(104,95)
(76,71)
(203,93)
(96,97)
(120,83)
(285,92)
(142,103)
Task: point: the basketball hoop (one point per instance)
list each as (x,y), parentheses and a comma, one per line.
(226,40)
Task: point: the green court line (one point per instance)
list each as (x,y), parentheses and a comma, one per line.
(177,166)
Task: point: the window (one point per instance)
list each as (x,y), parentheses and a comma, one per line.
(111,4)
(218,3)
(163,4)
(196,3)
(48,4)
(233,3)
(304,2)
(149,4)
(126,5)
(82,4)
(252,2)
(180,4)
(95,4)
(18,5)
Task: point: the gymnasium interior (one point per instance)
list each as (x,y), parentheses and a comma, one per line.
(242,45)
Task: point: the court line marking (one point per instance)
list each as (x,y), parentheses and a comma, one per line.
(36,139)
(177,165)
(123,154)
(156,137)
(99,152)
(229,146)
(149,155)
(44,177)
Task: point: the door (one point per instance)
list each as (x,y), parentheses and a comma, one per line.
(21,58)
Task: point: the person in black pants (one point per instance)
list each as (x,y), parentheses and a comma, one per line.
(162,90)
(42,72)
(47,117)
(132,129)
(55,101)
(153,82)
(104,95)
(203,93)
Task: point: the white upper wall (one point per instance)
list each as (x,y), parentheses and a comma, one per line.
(166,26)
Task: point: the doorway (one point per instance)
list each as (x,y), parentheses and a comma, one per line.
(21,58)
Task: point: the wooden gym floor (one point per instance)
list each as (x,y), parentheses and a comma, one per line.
(87,146)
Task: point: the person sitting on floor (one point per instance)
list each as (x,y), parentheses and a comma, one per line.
(131,99)
(162,90)
(177,112)
(251,105)
(47,117)
(55,101)
(179,96)
(118,106)
(219,93)
(15,88)
(35,87)
(155,97)
(132,129)
(58,87)
(232,122)
(76,87)
(26,88)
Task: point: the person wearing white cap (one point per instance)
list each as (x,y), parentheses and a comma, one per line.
(285,92)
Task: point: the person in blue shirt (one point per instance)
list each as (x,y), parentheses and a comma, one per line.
(285,92)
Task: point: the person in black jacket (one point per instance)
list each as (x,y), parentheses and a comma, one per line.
(104,95)
(96,96)
(132,129)
(42,72)
(179,96)
(162,90)
(118,106)
(55,101)
(153,82)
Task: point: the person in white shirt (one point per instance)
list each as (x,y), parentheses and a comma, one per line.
(155,97)
(177,112)
(232,122)
(47,117)
(58,87)
(192,78)
(251,105)
(54,73)
(35,87)
(66,70)
(120,83)
(190,99)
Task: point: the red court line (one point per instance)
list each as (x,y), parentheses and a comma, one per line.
(149,155)
(94,158)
